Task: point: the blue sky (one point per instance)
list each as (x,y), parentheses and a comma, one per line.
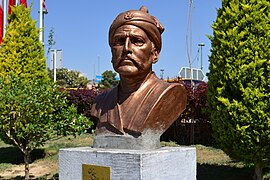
(81,31)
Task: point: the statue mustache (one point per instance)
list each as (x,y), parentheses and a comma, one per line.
(130,58)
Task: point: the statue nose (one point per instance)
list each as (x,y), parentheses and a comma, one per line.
(127,46)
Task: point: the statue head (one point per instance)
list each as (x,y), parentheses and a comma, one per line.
(141,107)
(135,41)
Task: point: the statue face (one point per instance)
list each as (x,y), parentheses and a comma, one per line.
(132,51)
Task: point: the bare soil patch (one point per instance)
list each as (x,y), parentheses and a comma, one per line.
(37,169)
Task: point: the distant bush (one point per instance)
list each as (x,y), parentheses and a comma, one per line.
(197,103)
(67,78)
(83,99)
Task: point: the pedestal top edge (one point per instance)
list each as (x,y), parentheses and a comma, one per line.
(105,150)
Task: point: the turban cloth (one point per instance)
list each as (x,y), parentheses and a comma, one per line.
(142,19)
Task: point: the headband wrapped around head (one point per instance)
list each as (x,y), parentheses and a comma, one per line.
(142,19)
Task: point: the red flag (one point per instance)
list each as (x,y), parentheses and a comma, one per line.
(23,2)
(44,6)
(11,3)
(1,21)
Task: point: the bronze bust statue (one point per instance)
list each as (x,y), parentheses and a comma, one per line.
(141,107)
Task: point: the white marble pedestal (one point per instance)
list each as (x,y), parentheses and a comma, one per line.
(166,163)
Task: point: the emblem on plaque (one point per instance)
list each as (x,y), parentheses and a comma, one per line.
(94,172)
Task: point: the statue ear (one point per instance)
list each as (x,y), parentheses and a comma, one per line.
(155,56)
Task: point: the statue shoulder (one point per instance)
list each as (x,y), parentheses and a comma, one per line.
(168,107)
(104,95)
(104,100)
(176,87)
(101,96)
(174,91)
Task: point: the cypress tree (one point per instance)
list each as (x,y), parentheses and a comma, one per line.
(21,52)
(239,81)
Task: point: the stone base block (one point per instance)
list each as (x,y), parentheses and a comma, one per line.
(172,163)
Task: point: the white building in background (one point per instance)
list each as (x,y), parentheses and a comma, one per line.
(197,74)
(56,59)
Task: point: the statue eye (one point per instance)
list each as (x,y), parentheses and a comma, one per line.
(119,41)
(137,41)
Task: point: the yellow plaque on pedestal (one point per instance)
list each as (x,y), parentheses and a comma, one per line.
(93,172)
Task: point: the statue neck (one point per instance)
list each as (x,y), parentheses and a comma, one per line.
(128,86)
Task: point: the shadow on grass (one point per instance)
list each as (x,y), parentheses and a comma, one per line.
(54,177)
(213,172)
(22,178)
(13,155)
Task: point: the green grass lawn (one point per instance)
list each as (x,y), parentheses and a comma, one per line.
(212,163)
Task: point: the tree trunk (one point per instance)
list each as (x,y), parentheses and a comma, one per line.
(258,171)
(26,156)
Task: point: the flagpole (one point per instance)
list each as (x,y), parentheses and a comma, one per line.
(41,21)
(4,17)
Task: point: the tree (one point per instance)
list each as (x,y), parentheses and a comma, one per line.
(239,78)
(21,53)
(51,41)
(66,78)
(33,113)
(32,109)
(108,79)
